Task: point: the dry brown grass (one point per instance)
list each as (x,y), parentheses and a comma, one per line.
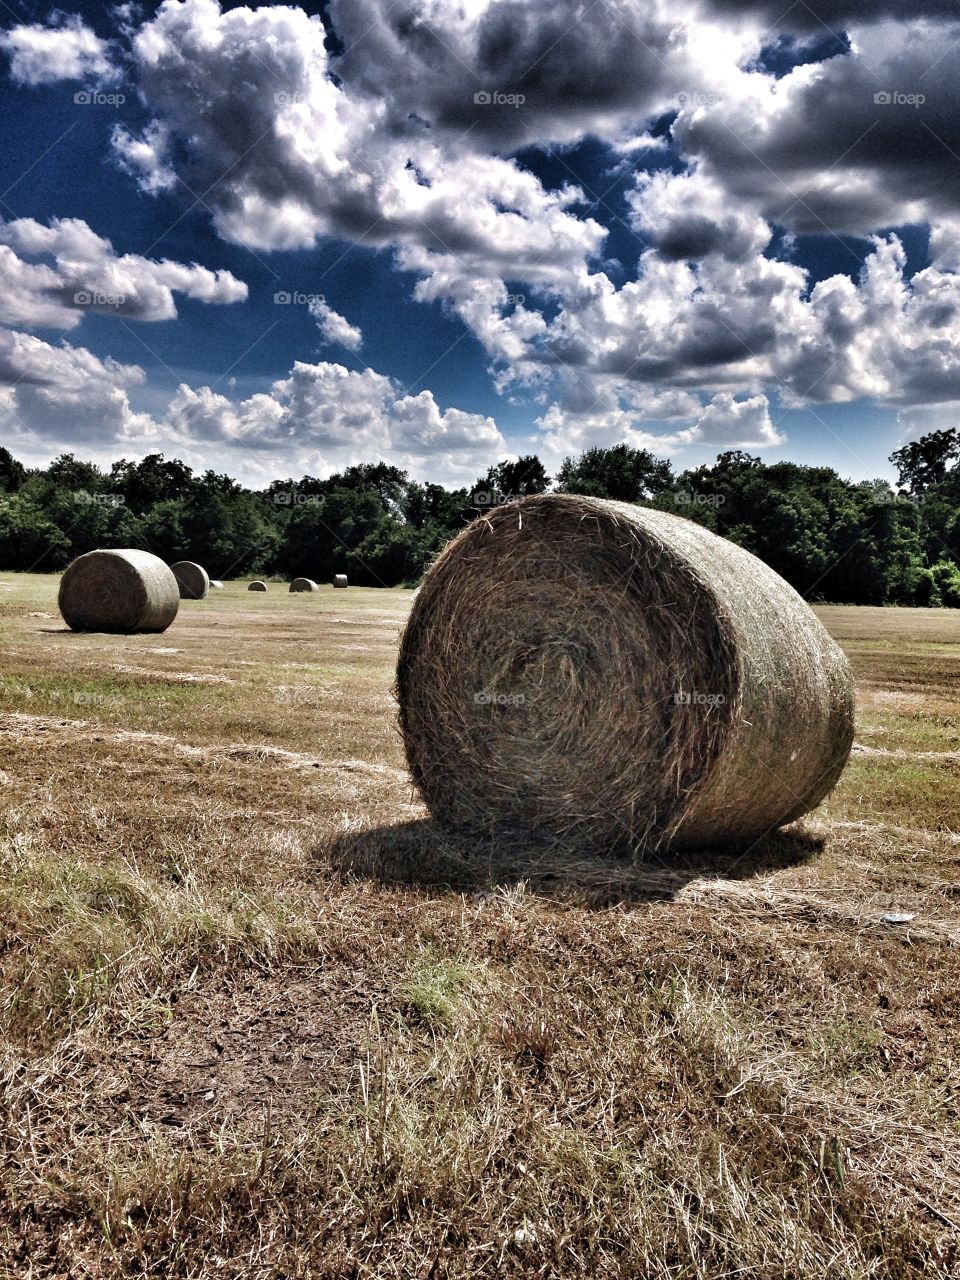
(263,1019)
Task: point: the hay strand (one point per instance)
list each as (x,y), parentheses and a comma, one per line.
(119,591)
(192,579)
(304,584)
(339,579)
(607,676)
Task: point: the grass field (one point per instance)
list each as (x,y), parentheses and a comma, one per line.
(261,1018)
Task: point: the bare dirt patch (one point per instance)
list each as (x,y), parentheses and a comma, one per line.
(242,1043)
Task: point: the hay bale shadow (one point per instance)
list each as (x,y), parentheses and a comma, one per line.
(424,854)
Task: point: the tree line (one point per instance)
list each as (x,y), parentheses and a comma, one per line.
(831,538)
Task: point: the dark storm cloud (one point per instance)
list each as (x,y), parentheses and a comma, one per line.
(575,68)
(858,142)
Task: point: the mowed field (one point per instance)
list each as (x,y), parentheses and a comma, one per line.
(262,1019)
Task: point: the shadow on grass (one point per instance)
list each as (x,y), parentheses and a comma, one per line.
(423,853)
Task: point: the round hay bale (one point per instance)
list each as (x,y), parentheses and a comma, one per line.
(122,591)
(303,584)
(339,579)
(216,584)
(192,579)
(257,586)
(608,677)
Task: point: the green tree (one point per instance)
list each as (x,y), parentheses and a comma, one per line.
(12,472)
(151,480)
(29,540)
(621,472)
(946,583)
(228,533)
(431,505)
(924,462)
(519,479)
(317,537)
(69,473)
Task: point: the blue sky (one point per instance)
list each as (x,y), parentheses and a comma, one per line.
(678,228)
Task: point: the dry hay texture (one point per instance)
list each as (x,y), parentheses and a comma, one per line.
(339,579)
(192,579)
(123,591)
(608,677)
(257,586)
(303,584)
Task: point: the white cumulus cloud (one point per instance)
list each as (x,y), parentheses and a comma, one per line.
(334,328)
(46,54)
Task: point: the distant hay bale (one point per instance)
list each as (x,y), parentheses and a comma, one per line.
(608,677)
(339,579)
(216,584)
(123,591)
(303,584)
(192,579)
(257,586)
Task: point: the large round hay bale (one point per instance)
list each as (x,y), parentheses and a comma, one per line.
(123,591)
(216,584)
(192,579)
(257,586)
(339,579)
(304,584)
(603,676)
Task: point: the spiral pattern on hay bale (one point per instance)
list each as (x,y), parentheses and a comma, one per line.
(607,677)
(192,579)
(118,590)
